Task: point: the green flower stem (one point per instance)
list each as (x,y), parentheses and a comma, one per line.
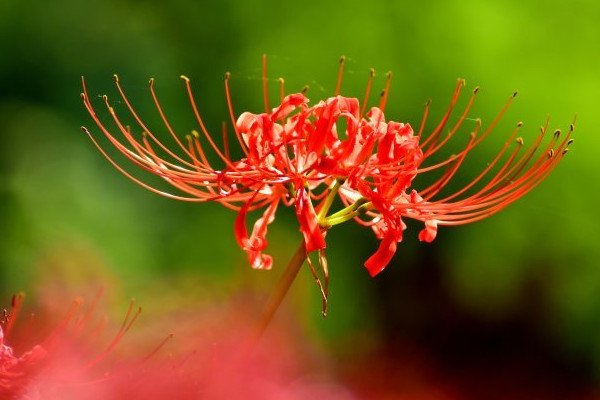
(347,214)
(329,200)
(352,207)
(279,293)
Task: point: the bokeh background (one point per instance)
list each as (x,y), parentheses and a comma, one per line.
(504,308)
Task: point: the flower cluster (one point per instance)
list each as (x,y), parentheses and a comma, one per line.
(306,156)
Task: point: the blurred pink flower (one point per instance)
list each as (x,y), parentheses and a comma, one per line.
(225,370)
(208,359)
(61,363)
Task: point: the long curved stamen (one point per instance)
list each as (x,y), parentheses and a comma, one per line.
(367,92)
(132,178)
(225,140)
(476,142)
(15,306)
(497,119)
(162,115)
(281,89)
(62,326)
(432,150)
(423,119)
(338,85)
(454,169)
(491,165)
(506,193)
(385,93)
(533,149)
(433,137)
(264,84)
(159,347)
(201,123)
(141,158)
(492,208)
(126,325)
(141,123)
(88,314)
(231,115)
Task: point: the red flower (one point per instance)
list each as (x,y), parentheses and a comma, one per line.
(295,154)
(62,362)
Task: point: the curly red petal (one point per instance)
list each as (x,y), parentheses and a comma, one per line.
(382,257)
(429,233)
(309,224)
(254,244)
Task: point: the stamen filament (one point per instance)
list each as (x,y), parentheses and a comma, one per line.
(340,75)
(264,83)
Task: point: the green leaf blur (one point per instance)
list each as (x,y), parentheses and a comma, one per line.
(67,217)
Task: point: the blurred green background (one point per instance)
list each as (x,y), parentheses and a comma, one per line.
(521,285)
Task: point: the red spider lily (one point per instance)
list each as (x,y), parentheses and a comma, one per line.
(63,360)
(296,155)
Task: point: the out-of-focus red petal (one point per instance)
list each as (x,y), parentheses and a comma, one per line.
(309,225)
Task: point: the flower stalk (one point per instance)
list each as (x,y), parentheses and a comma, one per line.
(279,293)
